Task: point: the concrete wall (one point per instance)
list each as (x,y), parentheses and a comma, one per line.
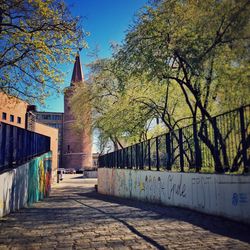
(25,185)
(224,195)
(90,174)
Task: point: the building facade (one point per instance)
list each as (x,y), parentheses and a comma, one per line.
(54,120)
(13,110)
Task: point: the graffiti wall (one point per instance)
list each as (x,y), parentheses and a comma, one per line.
(224,195)
(25,185)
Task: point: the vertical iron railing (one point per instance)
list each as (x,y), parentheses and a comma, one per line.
(221,144)
(18,145)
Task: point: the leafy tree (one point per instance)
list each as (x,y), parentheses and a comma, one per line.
(123,108)
(112,114)
(182,61)
(195,44)
(199,47)
(36,36)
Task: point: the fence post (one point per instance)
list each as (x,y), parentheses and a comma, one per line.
(216,146)
(139,155)
(122,158)
(198,163)
(157,153)
(26,140)
(243,138)
(136,156)
(127,159)
(113,159)
(149,156)
(168,151)
(17,145)
(21,144)
(11,146)
(28,145)
(181,150)
(117,159)
(3,144)
(142,156)
(131,156)
(104,161)
(109,161)
(99,161)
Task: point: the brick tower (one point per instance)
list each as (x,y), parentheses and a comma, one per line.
(77,146)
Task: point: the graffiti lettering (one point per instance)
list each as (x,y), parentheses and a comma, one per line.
(178,189)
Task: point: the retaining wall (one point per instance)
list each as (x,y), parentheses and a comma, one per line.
(90,174)
(25,185)
(223,195)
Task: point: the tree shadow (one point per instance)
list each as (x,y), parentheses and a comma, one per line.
(75,206)
(215,224)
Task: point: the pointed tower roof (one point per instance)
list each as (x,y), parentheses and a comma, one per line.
(77,75)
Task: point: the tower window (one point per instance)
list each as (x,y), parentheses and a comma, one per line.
(68,148)
(18,119)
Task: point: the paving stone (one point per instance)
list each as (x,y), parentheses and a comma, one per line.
(3,247)
(75,217)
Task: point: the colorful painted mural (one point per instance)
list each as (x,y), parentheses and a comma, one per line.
(26,184)
(225,195)
(39,178)
(48,175)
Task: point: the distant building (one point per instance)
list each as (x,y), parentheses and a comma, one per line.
(54,120)
(77,145)
(74,147)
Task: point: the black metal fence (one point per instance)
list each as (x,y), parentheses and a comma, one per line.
(18,145)
(221,144)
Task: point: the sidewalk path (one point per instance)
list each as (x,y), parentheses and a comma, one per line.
(76,217)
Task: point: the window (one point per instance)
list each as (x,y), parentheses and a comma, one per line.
(56,117)
(12,118)
(46,117)
(68,148)
(19,119)
(4,116)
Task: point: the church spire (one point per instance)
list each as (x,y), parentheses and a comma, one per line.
(77,75)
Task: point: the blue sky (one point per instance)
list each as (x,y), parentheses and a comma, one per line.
(107,21)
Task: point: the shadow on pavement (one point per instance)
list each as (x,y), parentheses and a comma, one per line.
(77,177)
(130,227)
(79,206)
(215,224)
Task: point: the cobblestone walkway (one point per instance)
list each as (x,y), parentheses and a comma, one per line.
(76,217)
